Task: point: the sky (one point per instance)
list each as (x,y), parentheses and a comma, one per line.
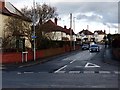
(97,14)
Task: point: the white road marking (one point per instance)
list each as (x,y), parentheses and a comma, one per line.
(89,65)
(72,61)
(107,72)
(28,72)
(19,73)
(60,69)
(61,72)
(117,72)
(89,71)
(74,71)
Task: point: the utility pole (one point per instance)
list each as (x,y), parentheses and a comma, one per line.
(87,27)
(109,29)
(70,31)
(34,29)
(74,30)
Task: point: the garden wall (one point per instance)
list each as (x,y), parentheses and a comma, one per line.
(16,57)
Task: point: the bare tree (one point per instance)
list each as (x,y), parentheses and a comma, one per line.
(43,12)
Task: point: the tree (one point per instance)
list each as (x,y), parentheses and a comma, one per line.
(13,30)
(42,13)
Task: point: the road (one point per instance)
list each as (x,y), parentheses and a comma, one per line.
(80,69)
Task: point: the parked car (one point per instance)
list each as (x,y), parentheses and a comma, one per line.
(94,48)
(85,47)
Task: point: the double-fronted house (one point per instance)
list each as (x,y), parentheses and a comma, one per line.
(9,12)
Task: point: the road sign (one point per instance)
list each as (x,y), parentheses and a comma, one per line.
(34,37)
(91,65)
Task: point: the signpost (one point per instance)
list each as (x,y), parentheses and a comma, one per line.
(34,29)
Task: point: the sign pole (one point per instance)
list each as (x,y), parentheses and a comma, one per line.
(34,29)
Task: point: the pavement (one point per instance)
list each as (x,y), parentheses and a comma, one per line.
(108,58)
(31,63)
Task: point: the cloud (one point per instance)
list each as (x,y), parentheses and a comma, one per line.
(93,17)
(104,12)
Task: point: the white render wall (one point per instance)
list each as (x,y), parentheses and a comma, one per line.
(100,37)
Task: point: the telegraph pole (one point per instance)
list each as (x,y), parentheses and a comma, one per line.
(74,30)
(70,31)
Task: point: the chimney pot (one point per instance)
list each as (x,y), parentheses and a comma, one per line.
(56,21)
(65,27)
(2,4)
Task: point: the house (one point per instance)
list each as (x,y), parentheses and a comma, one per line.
(85,35)
(7,10)
(56,32)
(99,35)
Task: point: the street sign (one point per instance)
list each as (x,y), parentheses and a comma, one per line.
(34,37)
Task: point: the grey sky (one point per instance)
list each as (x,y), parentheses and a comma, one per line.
(108,10)
(99,11)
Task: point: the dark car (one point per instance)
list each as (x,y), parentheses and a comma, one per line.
(85,46)
(94,48)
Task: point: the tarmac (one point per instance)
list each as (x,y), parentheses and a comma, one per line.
(108,58)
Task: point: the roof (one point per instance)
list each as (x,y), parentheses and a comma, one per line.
(50,26)
(99,32)
(5,11)
(86,32)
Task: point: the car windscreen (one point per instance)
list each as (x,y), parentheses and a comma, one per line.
(94,46)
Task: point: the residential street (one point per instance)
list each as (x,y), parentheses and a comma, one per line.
(79,69)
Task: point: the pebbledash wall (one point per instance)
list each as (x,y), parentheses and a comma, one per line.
(16,57)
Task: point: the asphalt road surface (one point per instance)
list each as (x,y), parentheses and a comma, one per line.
(80,69)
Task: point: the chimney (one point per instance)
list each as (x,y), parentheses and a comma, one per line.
(2,4)
(65,27)
(104,31)
(56,21)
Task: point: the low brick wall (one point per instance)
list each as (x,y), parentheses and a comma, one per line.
(49,52)
(116,53)
(16,57)
(11,58)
